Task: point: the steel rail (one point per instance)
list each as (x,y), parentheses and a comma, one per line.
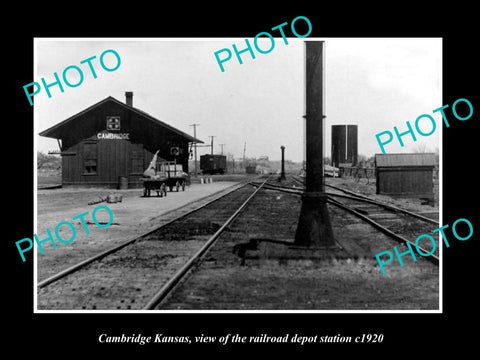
(432,258)
(179,275)
(101,255)
(286,189)
(356,197)
(298,179)
(387,206)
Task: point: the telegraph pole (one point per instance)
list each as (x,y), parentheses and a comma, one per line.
(195,145)
(244,149)
(212,136)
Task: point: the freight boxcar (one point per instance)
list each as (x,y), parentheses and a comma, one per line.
(213,164)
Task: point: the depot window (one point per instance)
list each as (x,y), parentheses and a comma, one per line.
(90,158)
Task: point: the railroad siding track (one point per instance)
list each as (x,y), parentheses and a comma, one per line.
(406,226)
(400,224)
(269,282)
(220,283)
(400,227)
(128,278)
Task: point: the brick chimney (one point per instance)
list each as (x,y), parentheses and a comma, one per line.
(129,98)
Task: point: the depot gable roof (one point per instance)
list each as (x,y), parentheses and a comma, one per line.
(63,129)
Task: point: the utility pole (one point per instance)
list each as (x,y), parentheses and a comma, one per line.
(211,144)
(244,148)
(195,146)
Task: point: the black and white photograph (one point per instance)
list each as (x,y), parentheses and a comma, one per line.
(217,182)
(259,187)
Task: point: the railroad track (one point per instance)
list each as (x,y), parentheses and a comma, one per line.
(183,271)
(399,226)
(191,263)
(276,276)
(240,270)
(129,275)
(397,223)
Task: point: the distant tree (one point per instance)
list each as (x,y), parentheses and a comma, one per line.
(45,160)
(42,159)
(420,148)
(370,161)
(231,163)
(361,160)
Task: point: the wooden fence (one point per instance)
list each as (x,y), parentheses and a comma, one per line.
(369,174)
(358,173)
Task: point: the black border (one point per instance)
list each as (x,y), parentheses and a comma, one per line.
(78,333)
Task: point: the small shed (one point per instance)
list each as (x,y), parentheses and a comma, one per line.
(405,175)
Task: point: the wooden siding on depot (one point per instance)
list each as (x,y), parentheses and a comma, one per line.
(111,155)
(114,157)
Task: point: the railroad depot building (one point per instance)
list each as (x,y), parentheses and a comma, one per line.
(406,175)
(112,143)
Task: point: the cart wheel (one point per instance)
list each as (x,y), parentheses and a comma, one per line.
(177,185)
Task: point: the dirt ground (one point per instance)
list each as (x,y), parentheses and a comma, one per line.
(276,278)
(132,217)
(265,282)
(128,278)
(363,188)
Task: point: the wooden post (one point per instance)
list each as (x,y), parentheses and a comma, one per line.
(282,174)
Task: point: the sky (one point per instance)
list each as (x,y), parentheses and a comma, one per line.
(375,83)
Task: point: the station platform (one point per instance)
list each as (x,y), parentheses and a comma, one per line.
(134,210)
